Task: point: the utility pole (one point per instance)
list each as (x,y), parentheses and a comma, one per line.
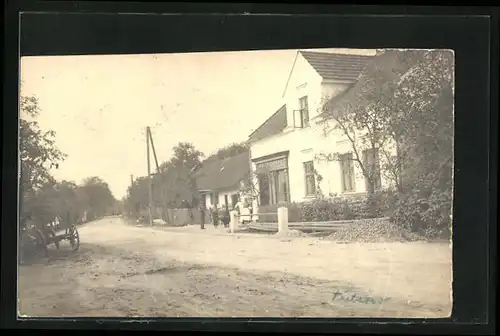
(150,181)
(164,203)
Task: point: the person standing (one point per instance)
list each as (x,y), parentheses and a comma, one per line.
(239,210)
(226,217)
(215,216)
(202,215)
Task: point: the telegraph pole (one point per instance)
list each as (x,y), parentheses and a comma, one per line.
(165,211)
(150,181)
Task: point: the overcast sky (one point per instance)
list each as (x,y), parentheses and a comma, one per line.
(99,106)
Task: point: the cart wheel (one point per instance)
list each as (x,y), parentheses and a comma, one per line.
(74,238)
(53,239)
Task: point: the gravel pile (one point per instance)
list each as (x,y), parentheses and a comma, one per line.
(373,231)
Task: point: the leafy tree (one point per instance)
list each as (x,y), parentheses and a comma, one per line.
(229,151)
(250,186)
(403,104)
(185,156)
(425,100)
(172,184)
(99,196)
(42,197)
(176,174)
(38,154)
(364,115)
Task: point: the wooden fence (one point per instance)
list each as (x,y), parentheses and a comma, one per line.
(284,225)
(180,217)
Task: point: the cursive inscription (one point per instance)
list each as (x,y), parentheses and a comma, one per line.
(356,298)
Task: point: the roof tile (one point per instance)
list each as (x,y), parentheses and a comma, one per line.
(220,174)
(332,66)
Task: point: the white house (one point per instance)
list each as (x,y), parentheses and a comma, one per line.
(219,181)
(285,145)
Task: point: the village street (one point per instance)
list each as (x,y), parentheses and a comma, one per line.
(122,270)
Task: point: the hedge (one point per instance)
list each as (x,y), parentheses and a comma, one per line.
(332,209)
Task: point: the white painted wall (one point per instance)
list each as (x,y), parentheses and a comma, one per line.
(294,141)
(337,142)
(209,204)
(303,145)
(304,81)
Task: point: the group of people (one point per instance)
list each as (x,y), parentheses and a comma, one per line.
(216,215)
(219,214)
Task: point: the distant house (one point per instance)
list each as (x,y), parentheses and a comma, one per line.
(285,145)
(219,180)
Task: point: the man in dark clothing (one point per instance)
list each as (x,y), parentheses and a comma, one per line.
(202,215)
(225,217)
(215,216)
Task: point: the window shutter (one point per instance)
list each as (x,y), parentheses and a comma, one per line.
(297,119)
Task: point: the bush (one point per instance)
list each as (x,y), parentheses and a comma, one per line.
(331,209)
(336,208)
(425,213)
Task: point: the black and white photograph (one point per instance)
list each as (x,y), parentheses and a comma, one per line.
(262,183)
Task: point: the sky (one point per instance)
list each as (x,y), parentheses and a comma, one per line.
(100,105)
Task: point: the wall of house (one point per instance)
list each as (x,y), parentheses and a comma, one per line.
(331,170)
(296,142)
(304,81)
(306,145)
(221,200)
(336,142)
(330,89)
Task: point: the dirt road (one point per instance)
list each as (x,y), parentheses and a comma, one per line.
(122,270)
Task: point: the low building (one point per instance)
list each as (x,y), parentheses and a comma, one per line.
(219,181)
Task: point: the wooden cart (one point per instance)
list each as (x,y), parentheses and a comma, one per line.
(35,240)
(70,233)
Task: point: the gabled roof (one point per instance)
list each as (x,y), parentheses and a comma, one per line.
(331,66)
(393,71)
(221,174)
(275,124)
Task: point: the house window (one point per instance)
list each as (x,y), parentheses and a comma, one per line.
(278,186)
(273,187)
(310,178)
(264,187)
(304,111)
(372,166)
(273,181)
(347,172)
